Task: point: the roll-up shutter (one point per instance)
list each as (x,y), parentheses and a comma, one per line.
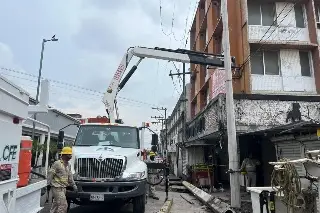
(291,151)
(311,145)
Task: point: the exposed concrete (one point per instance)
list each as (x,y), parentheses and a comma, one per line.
(254,115)
(215,204)
(166,207)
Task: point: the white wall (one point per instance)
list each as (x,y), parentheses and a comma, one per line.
(289,80)
(287,29)
(56,121)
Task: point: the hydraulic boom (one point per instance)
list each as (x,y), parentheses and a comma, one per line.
(179,55)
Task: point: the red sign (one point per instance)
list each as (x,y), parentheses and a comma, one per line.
(218,82)
(5,167)
(95,120)
(5,172)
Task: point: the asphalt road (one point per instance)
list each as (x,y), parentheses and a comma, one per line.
(182,203)
(152,206)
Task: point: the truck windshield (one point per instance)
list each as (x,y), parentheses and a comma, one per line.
(98,135)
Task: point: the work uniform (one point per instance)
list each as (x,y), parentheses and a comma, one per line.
(249,166)
(151,176)
(59,178)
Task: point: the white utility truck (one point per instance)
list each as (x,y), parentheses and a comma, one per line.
(107,161)
(14,109)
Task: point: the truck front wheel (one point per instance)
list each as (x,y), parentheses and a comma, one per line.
(139,204)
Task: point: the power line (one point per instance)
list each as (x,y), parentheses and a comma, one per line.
(161,24)
(179,77)
(186,32)
(69,95)
(70,85)
(204,18)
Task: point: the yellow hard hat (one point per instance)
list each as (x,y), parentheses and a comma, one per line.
(152,153)
(66,151)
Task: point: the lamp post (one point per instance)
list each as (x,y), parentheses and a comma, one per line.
(53,38)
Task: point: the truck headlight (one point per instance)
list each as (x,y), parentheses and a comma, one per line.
(136,175)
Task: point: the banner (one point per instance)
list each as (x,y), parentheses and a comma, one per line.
(218,82)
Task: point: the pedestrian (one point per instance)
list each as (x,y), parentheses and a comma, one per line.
(59,178)
(249,168)
(151,176)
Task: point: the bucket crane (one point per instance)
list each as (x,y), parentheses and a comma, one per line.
(179,55)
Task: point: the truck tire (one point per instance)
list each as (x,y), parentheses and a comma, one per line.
(139,204)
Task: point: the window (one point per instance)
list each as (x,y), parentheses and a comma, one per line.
(264,62)
(317,10)
(305,64)
(96,135)
(261,14)
(298,10)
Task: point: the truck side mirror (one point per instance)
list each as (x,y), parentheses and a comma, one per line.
(61,136)
(154,140)
(60,139)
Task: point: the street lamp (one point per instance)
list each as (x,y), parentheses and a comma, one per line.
(53,38)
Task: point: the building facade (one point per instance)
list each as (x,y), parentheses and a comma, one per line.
(56,120)
(276,82)
(175,133)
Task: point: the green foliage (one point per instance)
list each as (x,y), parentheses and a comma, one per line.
(37,147)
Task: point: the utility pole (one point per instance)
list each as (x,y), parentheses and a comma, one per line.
(39,78)
(166,148)
(231,127)
(184,95)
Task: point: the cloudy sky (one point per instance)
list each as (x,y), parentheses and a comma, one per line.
(93,36)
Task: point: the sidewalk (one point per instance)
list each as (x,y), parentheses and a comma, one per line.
(246,205)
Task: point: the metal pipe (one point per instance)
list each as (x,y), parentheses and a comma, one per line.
(48,143)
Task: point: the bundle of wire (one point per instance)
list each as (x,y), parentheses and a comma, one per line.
(285,181)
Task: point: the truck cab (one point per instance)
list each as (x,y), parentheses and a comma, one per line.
(107,165)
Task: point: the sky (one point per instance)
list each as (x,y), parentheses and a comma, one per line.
(93,37)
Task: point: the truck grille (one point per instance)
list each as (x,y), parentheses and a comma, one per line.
(94,168)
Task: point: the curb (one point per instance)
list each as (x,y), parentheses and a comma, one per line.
(166,207)
(215,204)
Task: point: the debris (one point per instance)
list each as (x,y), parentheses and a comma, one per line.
(186,200)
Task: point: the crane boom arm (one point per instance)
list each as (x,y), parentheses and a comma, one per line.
(179,55)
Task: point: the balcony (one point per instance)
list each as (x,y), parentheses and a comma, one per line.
(277,22)
(283,71)
(278,34)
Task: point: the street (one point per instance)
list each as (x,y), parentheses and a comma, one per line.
(179,205)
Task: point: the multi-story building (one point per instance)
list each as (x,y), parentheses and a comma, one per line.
(276,82)
(175,133)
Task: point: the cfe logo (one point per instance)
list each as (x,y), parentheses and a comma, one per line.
(9,153)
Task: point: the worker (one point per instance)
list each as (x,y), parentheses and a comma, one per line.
(249,168)
(59,178)
(151,176)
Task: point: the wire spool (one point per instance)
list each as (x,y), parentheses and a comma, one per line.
(285,180)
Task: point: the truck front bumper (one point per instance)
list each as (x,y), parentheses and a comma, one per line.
(109,190)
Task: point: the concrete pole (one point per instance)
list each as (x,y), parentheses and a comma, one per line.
(231,127)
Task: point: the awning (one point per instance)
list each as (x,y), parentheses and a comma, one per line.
(295,127)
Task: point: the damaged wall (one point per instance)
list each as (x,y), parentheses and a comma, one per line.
(254,115)
(211,117)
(267,113)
